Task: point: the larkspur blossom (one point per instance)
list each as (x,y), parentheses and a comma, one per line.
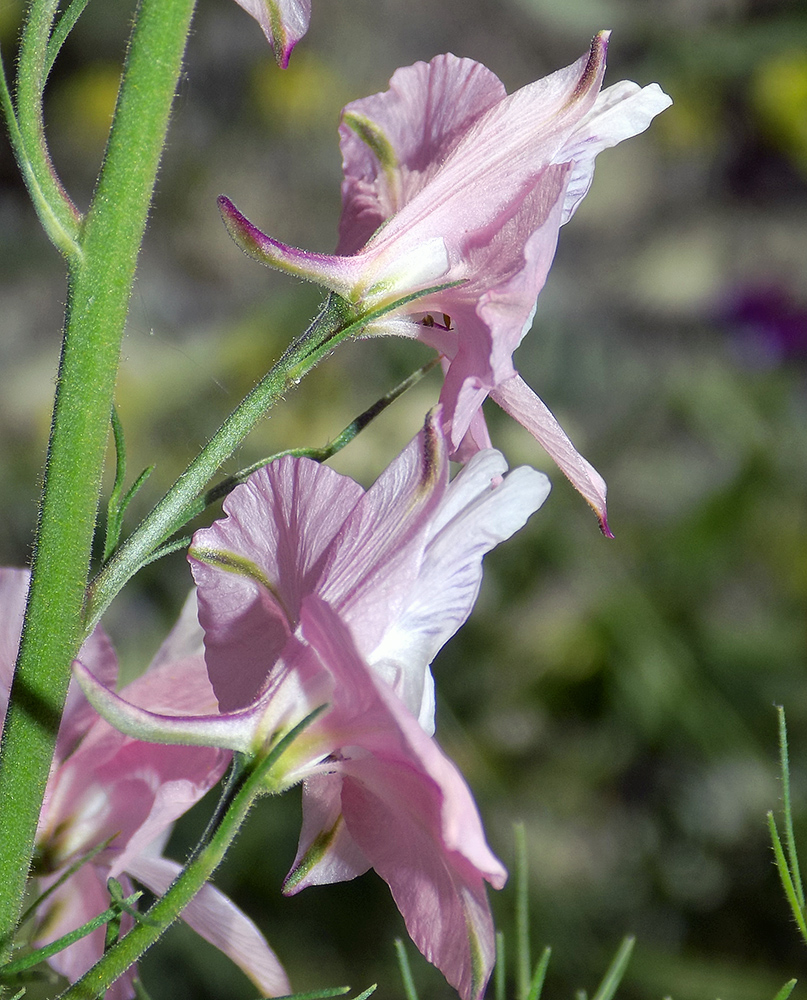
(284,22)
(449,179)
(107,786)
(314,592)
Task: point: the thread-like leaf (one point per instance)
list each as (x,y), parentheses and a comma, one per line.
(538,977)
(786,990)
(406,971)
(616,970)
(785,877)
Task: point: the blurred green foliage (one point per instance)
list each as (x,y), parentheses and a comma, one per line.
(615,696)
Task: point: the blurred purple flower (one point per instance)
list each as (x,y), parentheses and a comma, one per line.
(767,325)
(449,179)
(284,23)
(314,592)
(105,785)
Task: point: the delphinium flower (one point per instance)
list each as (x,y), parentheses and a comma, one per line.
(313,592)
(284,22)
(447,178)
(109,787)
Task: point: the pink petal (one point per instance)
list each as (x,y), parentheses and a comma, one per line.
(475,516)
(516,398)
(13,591)
(497,162)
(97,651)
(409,811)
(377,553)
(284,22)
(272,546)
(393,142)
(218,920)
(185,639)
(326,852)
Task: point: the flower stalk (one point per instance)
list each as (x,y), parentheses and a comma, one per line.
(101,272)
(337,321)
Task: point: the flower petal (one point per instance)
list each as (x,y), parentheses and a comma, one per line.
(284,23)
(77,901)
(254,567)
(619,112)
(393,142)
(218,920)
(516,398)
(410,812)
(475,518)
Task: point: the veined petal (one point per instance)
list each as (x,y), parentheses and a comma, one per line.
(218,920)
(476,519)
(516,398)
(410,812)
(393,142)
(376,556)
(619,112)
(280,526)
(498,159)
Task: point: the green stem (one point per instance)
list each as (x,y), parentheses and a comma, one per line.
(338,320)
(98,295)
(59,217)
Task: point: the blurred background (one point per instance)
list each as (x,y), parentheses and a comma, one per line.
(616,696)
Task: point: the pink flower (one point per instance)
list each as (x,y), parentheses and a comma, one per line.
(108,786)
(284,23)
(449,179)
(314,592)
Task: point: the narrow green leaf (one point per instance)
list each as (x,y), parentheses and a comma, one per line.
(784,875)
(335,991)
(116,895)
(61,31)
(325,452)
(66,874)
(406,971)
(41,954)
(113,507)
(133,490)
(523,962)
(499,978)
(538,977)
(613,977)
(790,840)
(368,992)
(786,990)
